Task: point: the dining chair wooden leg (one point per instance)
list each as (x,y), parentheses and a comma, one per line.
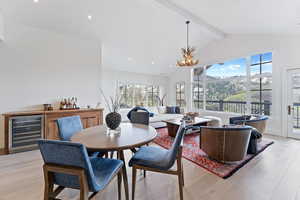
(133,181)
(182,174)
(84,188)
(180,184)
(119,185)
(124,172)
(48,176)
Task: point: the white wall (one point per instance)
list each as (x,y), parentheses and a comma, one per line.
(38,66)
(110,80)
(285,55)
(1,27)
(180,75)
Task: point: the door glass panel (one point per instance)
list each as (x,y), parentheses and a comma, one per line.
(296,103)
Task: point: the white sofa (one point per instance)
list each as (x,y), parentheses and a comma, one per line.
(156,120)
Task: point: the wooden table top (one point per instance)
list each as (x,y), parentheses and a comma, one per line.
(197,120)
(131,136)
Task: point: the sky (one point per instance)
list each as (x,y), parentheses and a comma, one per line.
(237,67)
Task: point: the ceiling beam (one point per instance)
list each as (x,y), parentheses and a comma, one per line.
(218,34)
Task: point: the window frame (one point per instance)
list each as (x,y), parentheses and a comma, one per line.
(180,93)
(261,89)
(150,102)
(248,105)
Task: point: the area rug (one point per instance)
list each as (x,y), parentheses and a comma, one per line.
(193,153)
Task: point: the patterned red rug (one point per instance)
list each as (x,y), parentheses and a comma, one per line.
(192,152)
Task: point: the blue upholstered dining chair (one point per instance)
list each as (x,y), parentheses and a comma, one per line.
(157,159)
(139,117)
(68,126)
(68,166)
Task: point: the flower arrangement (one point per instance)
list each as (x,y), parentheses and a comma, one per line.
(192,115)
(161,100)
(113,103)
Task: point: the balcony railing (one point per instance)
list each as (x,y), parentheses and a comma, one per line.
(237,106)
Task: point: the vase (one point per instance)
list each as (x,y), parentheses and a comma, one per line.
(161,109)
(113,120)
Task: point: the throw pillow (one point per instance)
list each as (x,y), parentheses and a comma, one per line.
(177,110)
(171,109)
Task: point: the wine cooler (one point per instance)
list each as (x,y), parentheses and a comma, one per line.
(24,132)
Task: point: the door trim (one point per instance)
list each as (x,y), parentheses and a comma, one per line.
(287,94)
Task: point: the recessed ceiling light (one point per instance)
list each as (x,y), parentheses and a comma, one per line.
(129,59)
(90,17)
(152,62)
(35,1)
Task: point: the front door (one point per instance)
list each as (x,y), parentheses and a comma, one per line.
(293,103)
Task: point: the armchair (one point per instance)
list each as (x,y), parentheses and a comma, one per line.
(259,122)
(225,144)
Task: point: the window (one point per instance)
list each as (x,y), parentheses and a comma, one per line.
(180,94)
(138,95)
(228,87)
(152,94)
(261,83)
(225,86)
(198,89)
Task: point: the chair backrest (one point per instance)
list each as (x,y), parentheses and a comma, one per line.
(67,154)
(140,117)
(68,126)
(259,122)
(239,119)
(173,151)
(225,143)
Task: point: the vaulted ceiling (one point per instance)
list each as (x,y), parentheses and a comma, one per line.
(146,35)
(248,17)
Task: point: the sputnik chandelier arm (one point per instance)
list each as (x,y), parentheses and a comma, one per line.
(187,53)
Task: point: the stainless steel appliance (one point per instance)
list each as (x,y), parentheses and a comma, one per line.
(24,132)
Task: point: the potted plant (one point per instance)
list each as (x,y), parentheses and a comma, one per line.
(113,118)
(160,103)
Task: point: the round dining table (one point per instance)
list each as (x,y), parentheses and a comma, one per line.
(131,136)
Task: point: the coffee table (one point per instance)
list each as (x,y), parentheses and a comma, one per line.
(174,124)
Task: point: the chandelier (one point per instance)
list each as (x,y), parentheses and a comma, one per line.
(187,53)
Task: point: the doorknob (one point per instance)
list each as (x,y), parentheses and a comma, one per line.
(289,109)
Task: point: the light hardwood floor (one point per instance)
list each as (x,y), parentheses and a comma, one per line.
(272,175)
